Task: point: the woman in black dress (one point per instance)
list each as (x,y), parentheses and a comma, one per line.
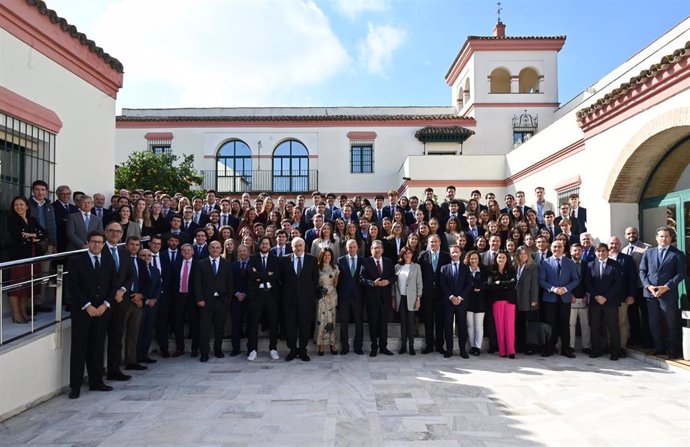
(476,302)
(25,236)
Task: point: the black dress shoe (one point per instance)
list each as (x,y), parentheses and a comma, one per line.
(359,352)
(165,355)
(447,354)
(344,352)
(73,394)
(614,357)
(373,353)
(427,350)
(440,350)
(529,352)
(219,355)
(147,360)
(511,356)
(118,376)
(386,351)
(100,387)
(586,351)
(320,354)
(402,350)
(177,353)
(568,354)
(304,357)
(464,355)
(334,351)
(622,354)
(292,355)
(204,358)
(412,351)
(194,354)
(136,367)
(235,353)
(594,355)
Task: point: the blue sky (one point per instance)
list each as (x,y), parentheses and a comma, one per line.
(181,53)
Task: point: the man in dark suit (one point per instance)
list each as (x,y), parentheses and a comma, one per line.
(81,223)
(119,257)
(176,229)
(662,270)
(134,305)
(300,279)
(282,247)
(558,277)
(161,260)
(455,289)
(92,282)
(188,225)
(315,232)
(182,302)
(62,209)
(99,209)
(628,289)
(564,210)
(350,298)
(264,279)
(550,224)
(377,276)
(200,246)
(240,293)
(150,309)
(213,288)
(603,282)
(542,253)
(578,212)
(473,231)
(588,251)
(431,262)
(379,210)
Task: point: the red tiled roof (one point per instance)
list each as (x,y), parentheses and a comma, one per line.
(294,118)
(666,61)
(76,34)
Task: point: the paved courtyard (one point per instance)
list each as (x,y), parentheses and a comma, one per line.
(386,401)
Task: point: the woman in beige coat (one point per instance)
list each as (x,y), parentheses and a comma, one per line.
(408,290)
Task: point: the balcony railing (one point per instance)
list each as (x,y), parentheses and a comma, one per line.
(261,181)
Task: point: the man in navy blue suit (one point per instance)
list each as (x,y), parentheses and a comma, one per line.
(377,276)
(150,309)
(661,271)
(238,302)
(455,289)
(628,288)
(200,246)
(578,212)
(558,277)
(264,276)
(350,298)
(603,282)
(282,246)
(430,262)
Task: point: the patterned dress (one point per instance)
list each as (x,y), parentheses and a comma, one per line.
(325,333)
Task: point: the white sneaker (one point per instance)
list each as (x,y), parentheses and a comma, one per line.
(274,355)
(252,356)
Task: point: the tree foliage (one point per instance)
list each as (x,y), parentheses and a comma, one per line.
(167,172)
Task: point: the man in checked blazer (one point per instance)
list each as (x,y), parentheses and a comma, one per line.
(77,224)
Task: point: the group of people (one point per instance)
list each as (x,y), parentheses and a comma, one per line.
(157,264)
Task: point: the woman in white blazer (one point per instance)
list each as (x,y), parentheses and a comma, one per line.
(408,291)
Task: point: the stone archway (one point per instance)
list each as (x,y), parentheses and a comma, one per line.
(643,152)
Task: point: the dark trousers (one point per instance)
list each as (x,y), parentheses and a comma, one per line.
(433,315)
(377,311)
(88,339)
(406,323)
(193,314)
(521,318)
(345,310)
(116,325)
(146,325)
(666,309)
(237,314)
(298,323)
(456,313)
(490,327)
(608,317)
(638,316)
(558,316)
(212,318)
(164,320)
(262,303)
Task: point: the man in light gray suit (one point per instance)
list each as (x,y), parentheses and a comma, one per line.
(81,223)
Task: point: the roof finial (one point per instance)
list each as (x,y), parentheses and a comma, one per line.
(498,11)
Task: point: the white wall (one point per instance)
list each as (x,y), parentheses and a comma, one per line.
(86,142)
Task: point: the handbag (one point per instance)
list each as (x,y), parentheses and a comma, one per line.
(538,333)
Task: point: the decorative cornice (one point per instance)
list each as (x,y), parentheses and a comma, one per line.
(28,111)
(552,159)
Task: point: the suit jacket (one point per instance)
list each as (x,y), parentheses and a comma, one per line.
(176,277)
(390,248)
(470,235)
(370,273)
(671,272)
(155,290)
(630,275)
(580,290)
(527,289)
(106,215)
(431,280)
(637,251)
(536,255)
(76,231)
(124,271)
(241,278)
(258,276)
(203,218)
(452,285)
(486,258)
(574,226)
(87,285)
(549,278)
(141,280)
(184,238)
(413,289)
(349,288)
(209,285)
(202,254)
(609,285)
(589,255)
(384,213)
(299,291)
(191,228)
(286,250)
(49,211)
(546,206)
(61,223)
(581,218)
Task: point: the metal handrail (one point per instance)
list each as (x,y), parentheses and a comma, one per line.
(50,257)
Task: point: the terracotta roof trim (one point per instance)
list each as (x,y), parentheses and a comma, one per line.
(653,70)
(295,118)
(76,34)
(516,38)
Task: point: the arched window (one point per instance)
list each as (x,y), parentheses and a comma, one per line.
(500,81)
(290,167)
(234,167)
(466,91)
(529,81)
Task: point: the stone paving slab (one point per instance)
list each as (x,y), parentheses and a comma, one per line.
(358,401)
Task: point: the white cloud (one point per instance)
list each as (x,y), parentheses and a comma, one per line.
(218,53)
(376,51)
(352,8)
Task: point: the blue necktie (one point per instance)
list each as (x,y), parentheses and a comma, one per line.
(215,267)
(113,251)
(660,256)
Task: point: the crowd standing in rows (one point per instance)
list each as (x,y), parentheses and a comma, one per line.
(157,264)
